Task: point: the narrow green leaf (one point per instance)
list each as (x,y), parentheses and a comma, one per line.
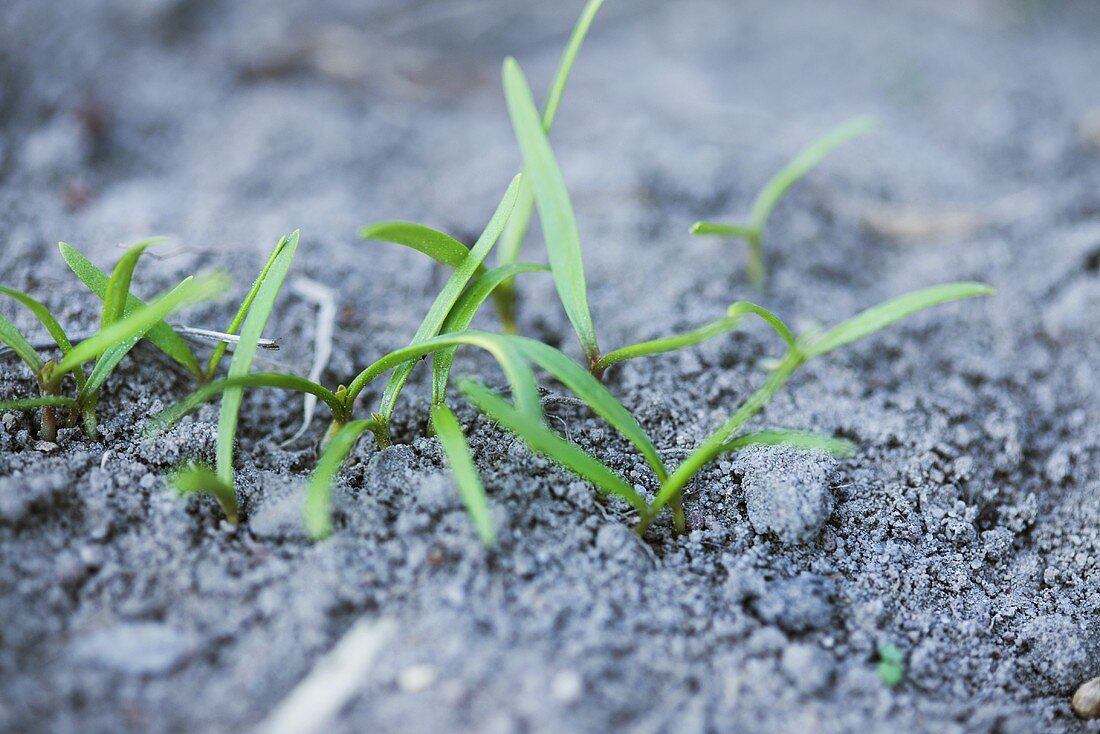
(44,401)
(198,479)
(251,331)
(14,338)
(246,304)
(463,313)
(118,286)
(559,225)
(293,383)
(465,473)
(318,508)
(581,383)
(142,319)
(804,440)
(441,247)
(877,317)
(542,440)
(722,230)
(447,297)
(161,335)
(732,320)
(516,230)
(515,368)
(670,343)
(802,164)
(57,333)
(43,315)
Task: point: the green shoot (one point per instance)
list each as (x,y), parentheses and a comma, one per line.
(512,240)
(891,664)
(462,314)
(198,479)
(258,307)
(542,440)
(470,488)
(442,248)
(242,312)
(161,334)
(121,328)
(559,225)
(861,325)
(447,298)
(318,508)
(802,440)
(769,196)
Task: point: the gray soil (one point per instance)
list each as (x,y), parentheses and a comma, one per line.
(965,531)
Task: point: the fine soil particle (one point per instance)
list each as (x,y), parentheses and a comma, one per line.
(965,530)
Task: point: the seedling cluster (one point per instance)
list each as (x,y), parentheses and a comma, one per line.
(446,328)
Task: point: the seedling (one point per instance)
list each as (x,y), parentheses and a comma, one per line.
(124,322)
(516,231)
(562,238)
(727,437)
(752,231)
(891,664)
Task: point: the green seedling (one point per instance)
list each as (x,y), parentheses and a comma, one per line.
(563,240)
(516,231)
(891,664)
(198,479)
(752,231)
(124,322)
(727,437)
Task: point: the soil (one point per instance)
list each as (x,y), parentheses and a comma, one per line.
(965,531)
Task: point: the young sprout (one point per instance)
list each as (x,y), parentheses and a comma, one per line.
(468,266)
(563,240)
(124,322)
(752,231)
(198,479)
(514,233)
(891,664)
(727,437)
(251,319)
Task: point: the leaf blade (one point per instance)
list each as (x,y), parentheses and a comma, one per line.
(14,338)
(801,164)
(462,314)
(877,317)
(251,331)
(470,488)
(802,440)
(542,440)
(516,230)
(276,380)
(437,245)
(449,295)
(317,512)
(161,335)
(559,224)
(198,479)
(43,401)
(246,304)
(142,319)
(118,286)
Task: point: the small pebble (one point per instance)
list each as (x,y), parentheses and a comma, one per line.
(45,446)
(566,686)
(416,678)
(1086,702)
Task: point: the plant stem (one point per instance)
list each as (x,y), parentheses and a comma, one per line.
(755,262)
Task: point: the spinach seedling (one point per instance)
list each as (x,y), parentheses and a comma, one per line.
(727,437)
(123,323)
(753,230)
